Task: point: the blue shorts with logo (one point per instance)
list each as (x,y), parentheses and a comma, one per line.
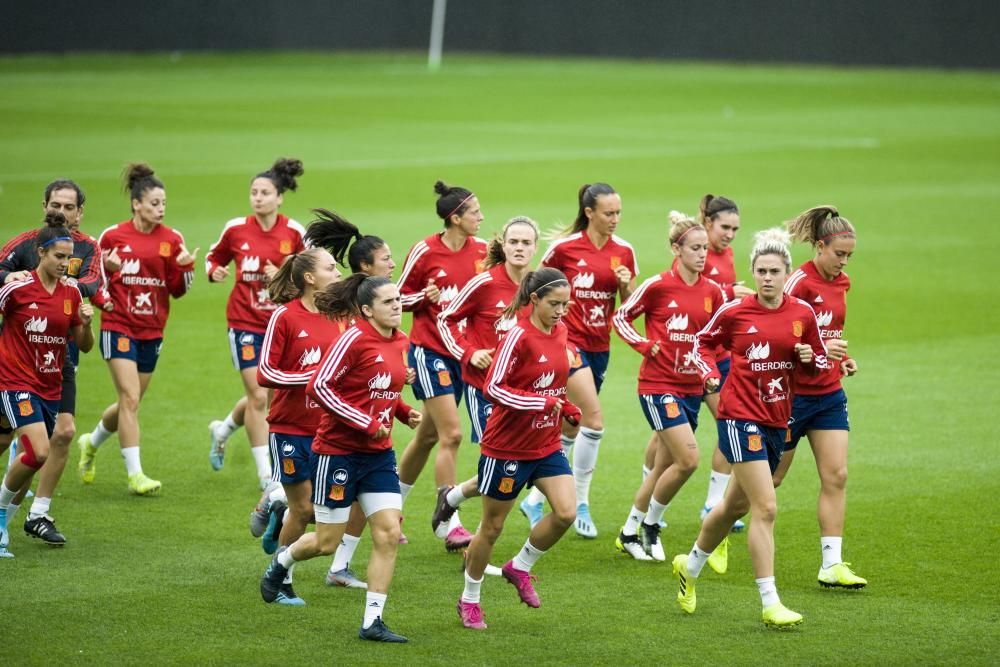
(741,441)
(244,347)
(479,411)
(292,457)
(339,480)
(664,411)
(437,374)
(827,412)
(145,353)
(21,408)
(503,479)
(597,362)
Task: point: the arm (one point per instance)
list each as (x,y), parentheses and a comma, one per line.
(322,392)
(269,372)
(219,255)
(811,353)
(180,272)
(90,278)
(463,307)
(496,388)
(82,332)
(411,290)
(706,341)
(633,307)
(14,265)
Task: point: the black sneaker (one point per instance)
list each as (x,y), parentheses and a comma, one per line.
(442,511)
(650,537)
(44,528)
(378,632)
(273,579)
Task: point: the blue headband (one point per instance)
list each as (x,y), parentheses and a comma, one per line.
(56,239)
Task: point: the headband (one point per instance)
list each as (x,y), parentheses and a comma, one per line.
(58,238)
(460,205)
(551,282)
(681,237)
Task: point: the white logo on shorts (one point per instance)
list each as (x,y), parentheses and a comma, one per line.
(288,449)
(340,476)
(510,468)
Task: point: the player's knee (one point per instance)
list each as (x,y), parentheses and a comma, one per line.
(257,401)
(301,510)
(688,463)
(451,438)
(128,401)
(564,516)
(490,528)
(63,435)
(386,533)
(592,418)
(766,511)
(32,455)
(327,546)
(835,478)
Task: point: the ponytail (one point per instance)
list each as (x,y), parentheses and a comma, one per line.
(345,299)
(289,282)
(540,283)
(680,225)
(820,223)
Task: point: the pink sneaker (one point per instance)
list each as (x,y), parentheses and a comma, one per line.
(522,582)
(471,615)
(458,538)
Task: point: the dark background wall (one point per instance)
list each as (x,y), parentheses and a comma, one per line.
(934,33)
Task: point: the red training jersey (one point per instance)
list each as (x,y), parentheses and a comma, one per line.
(36,328)
(148,277)
(528,376)
(674,312)
(294,344)
(759,387)
(450,270)
(359,385)
(828,299)
(251,248)
(472,320)
(591,272)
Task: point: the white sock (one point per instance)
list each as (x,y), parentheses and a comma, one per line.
(374,606)
(645,471)
(696,560)
(228,427)
(99,434)
(768,591)
(288,575)
(455,496)
(404,490)
(717,483)
(285,558)
(262,457)
(131,456)
(567,443)
(635,517)
(535,496)
(39,507)
(527,557)
(588,441)
(831,550)
(11,511)
(345,552)
(655,512)
(471,592)
(6,495)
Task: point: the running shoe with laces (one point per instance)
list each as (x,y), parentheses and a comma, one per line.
(380,632)
(533,512)
(584,523)
(471,614)
(630,544)
(141,485)
(44,528)
(718,560)
(287,596)
(458,538)
(442,510)
(521,580)
(780,616)
(4,535)
(840,575)
(345,578)
(217,452)
(275,522)
(686,596)
(87,465)
(650,538)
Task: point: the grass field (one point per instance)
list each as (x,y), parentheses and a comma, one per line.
(911,157)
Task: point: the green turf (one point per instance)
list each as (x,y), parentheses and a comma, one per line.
(910,157)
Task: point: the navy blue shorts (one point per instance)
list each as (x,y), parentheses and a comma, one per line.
(145,353)
(479,411)
(742,441)
(339,480)
(664,411)
(21,408)
(827,412)
(503,479)
(437,375)
(244,346)
(292,457)
(597,362)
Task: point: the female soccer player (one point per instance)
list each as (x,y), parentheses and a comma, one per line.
(527,384)
(40,313)
(599,266)
(258,244)
(434,272)
(819,408)
(155,266)
(472,325)
(770,335)
(676,304)
(359,386)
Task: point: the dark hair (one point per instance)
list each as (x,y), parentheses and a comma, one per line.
(818,224)
(283,173)
(65,184)
(55,219)
(711,207)
(494,252)
(46,235)
(138,178)
(587,198)
(539,282)
(344,299)
(289,282)
(336,234)
(451,201)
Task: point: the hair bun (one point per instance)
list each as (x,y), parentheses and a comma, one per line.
(441,189)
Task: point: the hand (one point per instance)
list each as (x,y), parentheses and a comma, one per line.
(740,290)
(411,375)
(270,270)
(16,275)
(805,352)
(112,262)
(653,349)
(557,408)
(381,434)
(185,258)
(86,313)
(712,385)
(848,367)
(431,292)
(571,413)
(482,359)
(220,274)
(108,306)
(623,275)
(836,349)
(413,419)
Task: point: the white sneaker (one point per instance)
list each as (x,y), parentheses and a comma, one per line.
(217,454)
(630,544)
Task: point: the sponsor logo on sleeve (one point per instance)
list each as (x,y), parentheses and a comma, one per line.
(73,269)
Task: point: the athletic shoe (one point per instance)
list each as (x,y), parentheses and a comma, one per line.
(287,596)
(471,615)
(534,513)
(4,535)
(458,538)
(141,485)
(630,544)
(584,524)
(650,537)
(269,540)
(273,580)
(260,514)
(686,596)
(378,632)
(5,554)
(87,466)
(521,580)
(780,616)
(217,454)
(345,578)
(718,560)
(44,528)
(738,525)
(442,511)
(840,575)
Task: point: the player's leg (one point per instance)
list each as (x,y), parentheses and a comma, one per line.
(830,451)
(33,442)
(220,430)
(340,573)
(719,476)
(583,392)
(255,419)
